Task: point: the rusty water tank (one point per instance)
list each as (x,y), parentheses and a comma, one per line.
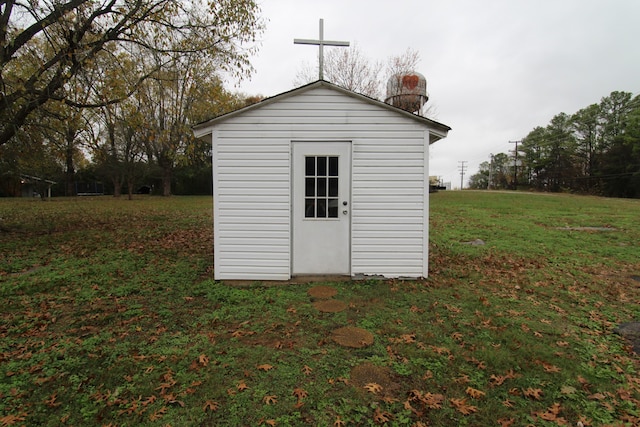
(407,91)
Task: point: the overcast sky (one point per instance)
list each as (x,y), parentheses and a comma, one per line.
(495,69)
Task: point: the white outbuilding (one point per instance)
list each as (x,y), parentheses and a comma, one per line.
(320,181)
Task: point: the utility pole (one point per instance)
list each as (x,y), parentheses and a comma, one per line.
(490,172)
(462,167)
(515,165)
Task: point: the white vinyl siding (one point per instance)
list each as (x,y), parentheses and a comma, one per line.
(252,186)
(388,204)
(251,208)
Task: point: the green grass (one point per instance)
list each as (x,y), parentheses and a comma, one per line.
(111,317)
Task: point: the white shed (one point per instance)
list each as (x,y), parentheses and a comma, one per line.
(320,181)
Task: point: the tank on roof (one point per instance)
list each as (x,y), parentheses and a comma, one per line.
(407,91)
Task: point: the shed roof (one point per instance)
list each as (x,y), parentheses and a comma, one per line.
(200,129)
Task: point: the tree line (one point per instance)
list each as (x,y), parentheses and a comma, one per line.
(593,151)
(108,90)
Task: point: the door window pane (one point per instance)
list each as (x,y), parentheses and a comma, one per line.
(309,208)
(333,187)
(322,166)
(310,166)
(309,187)
(322,187)
(333,166)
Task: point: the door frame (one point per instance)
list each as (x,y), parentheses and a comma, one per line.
(346,145)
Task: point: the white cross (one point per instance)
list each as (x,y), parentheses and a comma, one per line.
(320,42)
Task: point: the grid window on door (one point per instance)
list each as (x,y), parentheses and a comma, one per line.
(321,187)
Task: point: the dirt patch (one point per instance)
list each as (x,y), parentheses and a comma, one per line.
(630,331)
(350,336)
(368,373)
(322,292)
(586,228)
(330,306)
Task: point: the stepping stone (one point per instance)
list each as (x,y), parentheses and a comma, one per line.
(368,373)
(330,306)
(350,336)
(630,331)
(322,292)
(477,242)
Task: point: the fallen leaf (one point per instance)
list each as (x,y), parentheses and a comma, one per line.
(508,403)
(338,422)
(533,393)
(476,394)
(203,360)
(464,379)
(264,367)
(242,386)
(149,400)
(210,405)
(506,422)
(300,393)
(497,380)
(307,370)
(373,388)
(270,399)
(158,414)
(9,420)
(408,338)
(462,406)
(551,414)
(381,417)
(550,368)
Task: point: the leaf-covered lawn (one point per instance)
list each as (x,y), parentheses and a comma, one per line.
(110,317)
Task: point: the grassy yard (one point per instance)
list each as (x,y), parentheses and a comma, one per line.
(110,317)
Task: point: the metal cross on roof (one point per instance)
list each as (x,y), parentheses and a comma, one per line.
(320,42)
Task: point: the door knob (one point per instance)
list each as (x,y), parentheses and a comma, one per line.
(345,212)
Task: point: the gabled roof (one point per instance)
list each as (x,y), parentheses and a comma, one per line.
(317,84)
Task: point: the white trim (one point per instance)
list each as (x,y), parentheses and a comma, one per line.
(216,210)
(349,196)
(425,207)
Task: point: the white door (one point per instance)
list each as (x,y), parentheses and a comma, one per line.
(321,208)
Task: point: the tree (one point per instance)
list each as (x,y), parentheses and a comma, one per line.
(44,45)
(348,68)
(174,99)
(493,174)
(585,128)
(621,163)
(480,180)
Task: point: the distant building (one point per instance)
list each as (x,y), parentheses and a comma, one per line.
(32,186)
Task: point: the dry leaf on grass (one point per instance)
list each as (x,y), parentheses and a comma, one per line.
(210,405)
(373,388)
(462,406)
(264,367)
(270,399)
(476,394)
